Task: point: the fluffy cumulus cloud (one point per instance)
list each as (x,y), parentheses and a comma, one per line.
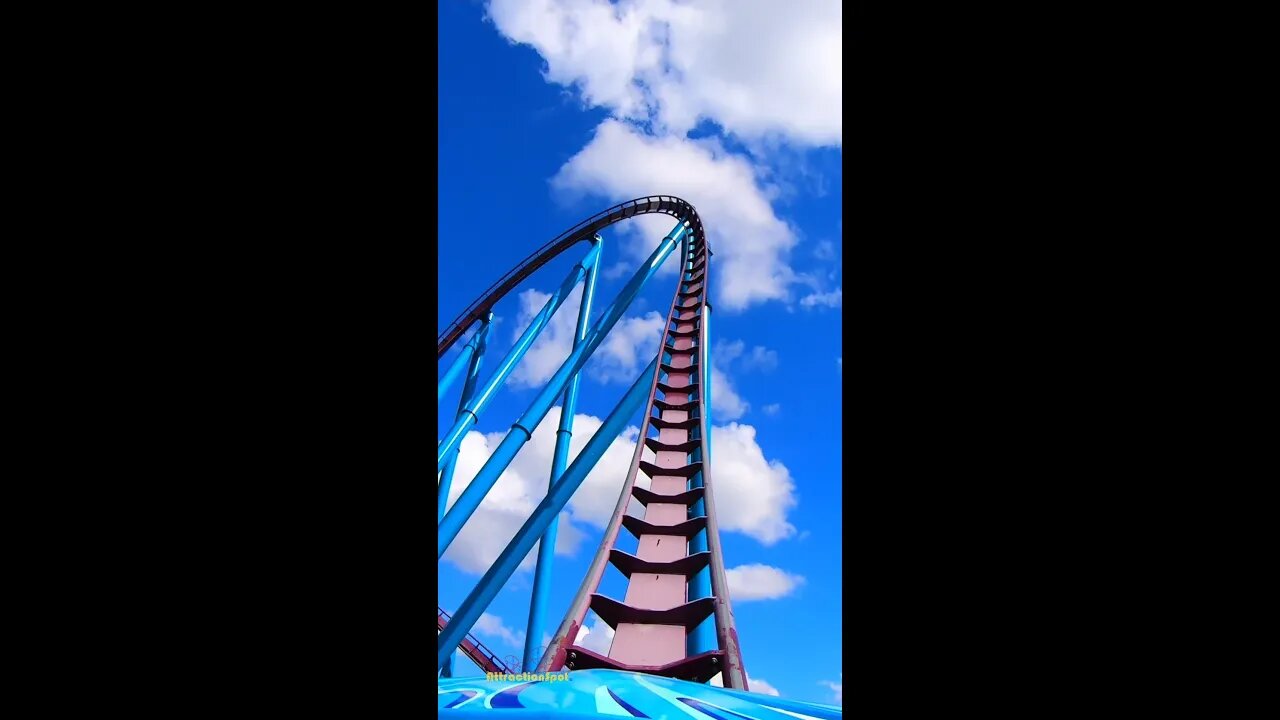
(766,73)
(597,639)
(523,485)
(819,299)
(760,582)
(755,494)
(490,628)
(759,358)
(628,347)
(726,403)
(757,68)
(621,163)
(837,688)
(757,685)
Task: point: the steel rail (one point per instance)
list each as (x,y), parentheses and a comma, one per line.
(582,232)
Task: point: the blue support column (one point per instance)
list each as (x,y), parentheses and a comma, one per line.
(468,388)
(446,475)
(447,669)
(522,430)
(505,566)
(703,638)
(471,413)
(547,546)
(456,368)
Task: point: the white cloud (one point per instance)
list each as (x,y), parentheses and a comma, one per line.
(758,68)
(628,347)
(772,409)
(726,403)
(837,688)
(726,351)
(767,72)
(756,685)
(597,639)
(524,484)
(754,495)
(760,582)
(762,686)
(491,626)
(761,358)
(825,250)
(830,299)
(553,345)
(749,240)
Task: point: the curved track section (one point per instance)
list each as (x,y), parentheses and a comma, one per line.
(664,204)
(473,648)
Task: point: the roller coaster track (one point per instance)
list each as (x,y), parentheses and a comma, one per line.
(676,578)
(473,648)
(677,537)
(581,232)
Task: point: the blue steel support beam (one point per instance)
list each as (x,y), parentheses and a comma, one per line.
(546,548)
(703,638)
(468,389)
(446,476)
(477,404)
(447,669)
(733,674)
(522,430)
(456,369)
(547,511)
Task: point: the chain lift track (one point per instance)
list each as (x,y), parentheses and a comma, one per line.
(675,619)
(677,541)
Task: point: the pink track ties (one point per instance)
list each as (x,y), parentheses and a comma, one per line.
(653,620)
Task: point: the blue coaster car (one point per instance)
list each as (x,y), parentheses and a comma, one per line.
(596,693)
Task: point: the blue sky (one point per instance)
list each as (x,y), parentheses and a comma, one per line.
(552,110)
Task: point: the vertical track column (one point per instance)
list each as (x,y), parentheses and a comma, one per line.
(703,638)
(734,674)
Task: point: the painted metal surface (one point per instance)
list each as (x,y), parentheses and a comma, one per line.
(616,693)
(510,558)
(675,620)
(482,656)
(664,204)
(660,609)
(547,546)
(557,652)
(468,389)
(456,369)
(522,429)
(476,405)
